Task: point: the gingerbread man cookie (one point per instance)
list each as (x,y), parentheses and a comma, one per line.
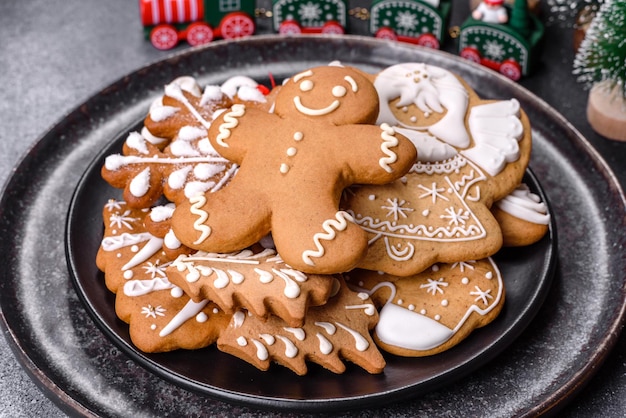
(470,154)
(294,165)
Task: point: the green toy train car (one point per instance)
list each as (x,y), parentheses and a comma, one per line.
(307,16)
(166,22)
(422,22)
(512,48)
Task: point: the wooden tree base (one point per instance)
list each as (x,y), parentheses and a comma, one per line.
(606,112)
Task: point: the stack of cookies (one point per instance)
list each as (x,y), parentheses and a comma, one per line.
(336,215)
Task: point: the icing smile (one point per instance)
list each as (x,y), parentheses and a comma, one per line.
(315,112)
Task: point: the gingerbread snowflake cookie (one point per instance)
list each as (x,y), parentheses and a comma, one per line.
(160,315)
(470,154)
(253,279)
(430,312)
(294,164)
(172,155)
(336,331)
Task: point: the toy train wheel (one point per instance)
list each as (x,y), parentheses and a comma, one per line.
(333,28)
(471,54)
(386,33)
(164,37)
(236,25)
(289,27)
(199,33)
(511,69)
(428,40)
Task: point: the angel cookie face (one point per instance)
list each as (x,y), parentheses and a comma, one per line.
(432,311)
(470,155)
(293,165)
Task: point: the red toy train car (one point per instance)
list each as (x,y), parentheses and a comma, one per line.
(166,22)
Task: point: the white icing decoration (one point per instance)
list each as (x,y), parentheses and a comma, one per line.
(196,204)
(171,241)
(230,122)
(211,94)
(202,317)
(329,226)
(315,112)
(124,240)
(496,130)
(162,213)
(264,276)
(152,138)
(161,113)
(261,352)
(137,142)
(190,310)
(297,332)
(389,141)
(368,308)
(431,89)
(268,339)
(176,180)
(153,245)
(360,343)
(328,327)
(291,350)
(140,184)
(238,318)
(233,84)
(250,94)
(116,161)
(525,205)
(325,346)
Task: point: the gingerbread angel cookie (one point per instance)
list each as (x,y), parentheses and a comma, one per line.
(470,154)
(331,333)
(294,165)
(432,311)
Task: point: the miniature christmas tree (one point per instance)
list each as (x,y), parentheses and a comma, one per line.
(601,63)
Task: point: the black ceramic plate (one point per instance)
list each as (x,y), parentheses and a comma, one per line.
(527,274)
(69,357)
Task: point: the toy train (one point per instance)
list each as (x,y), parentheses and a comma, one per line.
(167,22)
(509,48)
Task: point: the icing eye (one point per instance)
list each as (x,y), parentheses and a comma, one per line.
(306,85)
(339,91)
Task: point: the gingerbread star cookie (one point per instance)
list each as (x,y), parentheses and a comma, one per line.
(430,312)
(294,164)
(470,154)
(336,331)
